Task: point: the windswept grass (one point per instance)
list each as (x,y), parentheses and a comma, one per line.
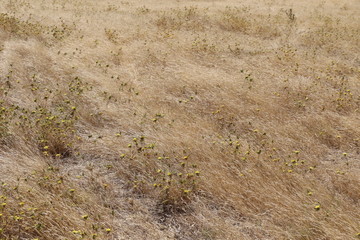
(179,120)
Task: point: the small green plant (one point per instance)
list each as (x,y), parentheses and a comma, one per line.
(18,27)
(202,45)
(26,214)
(4,131)
(143,10)
(176,185)
(290,14)
(112,35)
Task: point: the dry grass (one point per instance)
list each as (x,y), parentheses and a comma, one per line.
(179,120)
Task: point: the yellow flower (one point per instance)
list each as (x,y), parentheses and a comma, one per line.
(189,175)
(17,218)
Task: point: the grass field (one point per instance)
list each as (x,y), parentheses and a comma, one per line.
(174,119)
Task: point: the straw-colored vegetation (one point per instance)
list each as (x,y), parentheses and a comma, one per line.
(179,119)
